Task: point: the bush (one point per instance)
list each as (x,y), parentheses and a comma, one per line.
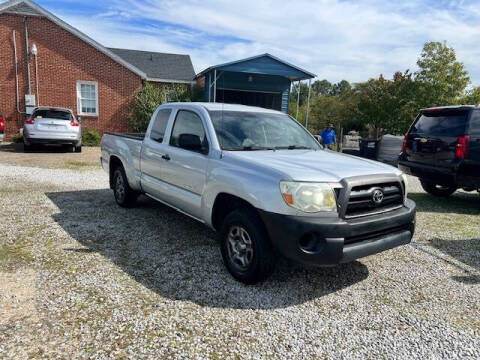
(150,97)
(91,138)
(17,138)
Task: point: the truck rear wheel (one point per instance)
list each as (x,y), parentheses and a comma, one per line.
(245,246)
(124,195)
(438,190)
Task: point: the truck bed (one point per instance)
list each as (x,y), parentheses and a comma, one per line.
(134,136)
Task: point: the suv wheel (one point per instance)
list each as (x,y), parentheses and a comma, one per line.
(245,246)
(438,190)
(124,195)
(78,149)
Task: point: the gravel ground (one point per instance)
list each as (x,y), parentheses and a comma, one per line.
(50,156)
(83,278)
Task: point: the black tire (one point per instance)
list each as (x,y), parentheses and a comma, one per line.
(262,260)
(27,148)
(78,149)
(123,193)
(438,190)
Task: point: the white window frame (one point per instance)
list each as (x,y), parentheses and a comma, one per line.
(79,100)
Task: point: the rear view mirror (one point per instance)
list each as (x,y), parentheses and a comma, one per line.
(79,119)
(190,142)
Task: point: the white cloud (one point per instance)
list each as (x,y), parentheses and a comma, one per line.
(335,39)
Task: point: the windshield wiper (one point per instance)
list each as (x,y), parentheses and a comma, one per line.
(293,147)
(254,148)
(250,148)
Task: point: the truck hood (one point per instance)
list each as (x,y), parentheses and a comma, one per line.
(310,165)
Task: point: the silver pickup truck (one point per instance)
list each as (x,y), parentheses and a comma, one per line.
(263,183)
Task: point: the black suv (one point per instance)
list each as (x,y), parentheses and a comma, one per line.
(442,148)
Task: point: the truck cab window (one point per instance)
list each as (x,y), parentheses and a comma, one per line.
(160,125)
(188,122)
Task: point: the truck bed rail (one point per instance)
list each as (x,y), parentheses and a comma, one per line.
(134,136)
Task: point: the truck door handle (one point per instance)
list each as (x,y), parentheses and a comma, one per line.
(166,157)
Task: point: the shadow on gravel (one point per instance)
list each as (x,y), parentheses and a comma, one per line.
(178,258)
(458,203)
(465,251)
(18,148)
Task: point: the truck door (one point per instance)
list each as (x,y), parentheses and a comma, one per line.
(184,171)
(153,154)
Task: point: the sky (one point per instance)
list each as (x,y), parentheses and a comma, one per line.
(335,39)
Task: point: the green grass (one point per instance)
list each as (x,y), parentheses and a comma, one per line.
(14,256)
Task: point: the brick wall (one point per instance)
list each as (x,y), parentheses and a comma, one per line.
(63,59)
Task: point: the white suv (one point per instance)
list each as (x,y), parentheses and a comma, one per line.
(52,125)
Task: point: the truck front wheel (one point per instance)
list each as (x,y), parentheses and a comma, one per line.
(124,195)
(245,246)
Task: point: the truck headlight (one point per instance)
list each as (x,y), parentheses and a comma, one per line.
(308,196)
(405,181)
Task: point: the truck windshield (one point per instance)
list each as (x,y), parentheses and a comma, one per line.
(239,130)
(441,123)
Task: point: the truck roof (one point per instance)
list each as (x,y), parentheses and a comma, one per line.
(228,107)
(453,107)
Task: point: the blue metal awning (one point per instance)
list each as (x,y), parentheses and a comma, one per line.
(264,64)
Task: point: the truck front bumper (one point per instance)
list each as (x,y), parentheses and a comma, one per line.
(327,241)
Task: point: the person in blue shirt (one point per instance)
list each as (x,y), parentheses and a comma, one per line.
(328,136)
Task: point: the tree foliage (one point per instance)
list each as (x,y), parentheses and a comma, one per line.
(388,105)
(150,97)
(444,78)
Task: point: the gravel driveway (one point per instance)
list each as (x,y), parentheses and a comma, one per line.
(83,278)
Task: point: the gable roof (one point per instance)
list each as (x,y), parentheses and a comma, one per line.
(28,7)
(163,68)
(160,67)
(264,64)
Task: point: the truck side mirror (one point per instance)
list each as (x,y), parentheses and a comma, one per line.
(79,119)
(190,142)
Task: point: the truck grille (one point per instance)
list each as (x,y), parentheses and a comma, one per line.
(374,198)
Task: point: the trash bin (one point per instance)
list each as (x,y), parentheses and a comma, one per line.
(368,148)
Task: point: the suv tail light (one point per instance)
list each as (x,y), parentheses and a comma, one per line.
(30,120)
(74,123)
(404,144)
(2,124)
(461,152)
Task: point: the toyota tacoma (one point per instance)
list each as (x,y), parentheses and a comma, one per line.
(264,184)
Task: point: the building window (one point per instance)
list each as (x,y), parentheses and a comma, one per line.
(87,98)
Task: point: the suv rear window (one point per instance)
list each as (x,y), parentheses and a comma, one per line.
(53,114)
(438,123)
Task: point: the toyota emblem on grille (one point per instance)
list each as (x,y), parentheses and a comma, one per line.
(377,196)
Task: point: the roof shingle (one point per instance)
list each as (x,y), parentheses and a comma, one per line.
(160,66)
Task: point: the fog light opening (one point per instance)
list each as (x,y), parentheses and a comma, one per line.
(311,242)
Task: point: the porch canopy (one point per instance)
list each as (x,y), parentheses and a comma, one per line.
(262,80)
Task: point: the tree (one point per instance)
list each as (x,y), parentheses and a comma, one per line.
(340,88)
(322,87)
(472,97)
(149,98)
(388,105)
(303,93)
(442,77)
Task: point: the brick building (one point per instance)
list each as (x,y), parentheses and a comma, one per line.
(58,65)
